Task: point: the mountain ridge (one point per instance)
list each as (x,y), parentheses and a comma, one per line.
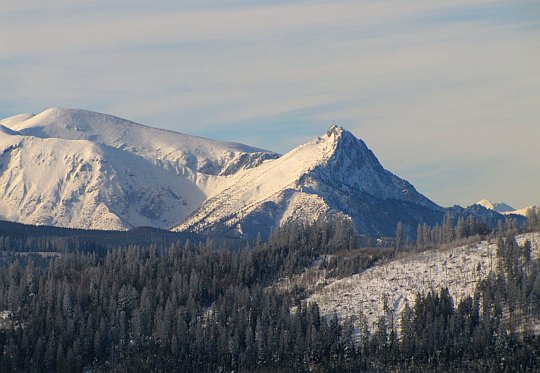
(200,154)
(79,169)
(318,179)
(505,209)
(82,169)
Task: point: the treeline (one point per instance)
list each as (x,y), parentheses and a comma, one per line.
(453,229)
(16,237)
(456,228)
(187,307)
(490,331)
(533,218)
(194,308)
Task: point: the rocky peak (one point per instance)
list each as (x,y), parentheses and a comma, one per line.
(334,130)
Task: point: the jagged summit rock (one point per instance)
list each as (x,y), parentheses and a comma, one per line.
(334,130)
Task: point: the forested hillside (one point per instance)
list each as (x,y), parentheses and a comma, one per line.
(16,237)
(200,307)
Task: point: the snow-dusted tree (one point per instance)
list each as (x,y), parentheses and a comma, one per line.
(400,236)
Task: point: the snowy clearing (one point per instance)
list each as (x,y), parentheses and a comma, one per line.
(459,269)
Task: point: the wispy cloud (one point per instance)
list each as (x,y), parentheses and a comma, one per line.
(452,82)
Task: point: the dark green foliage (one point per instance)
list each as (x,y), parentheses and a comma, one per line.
(344,264)
(458,226)
(197,308)
(16,237)
(400,236)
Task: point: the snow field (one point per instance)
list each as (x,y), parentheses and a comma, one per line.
(459,269)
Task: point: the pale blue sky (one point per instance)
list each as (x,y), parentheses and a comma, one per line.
(446,93)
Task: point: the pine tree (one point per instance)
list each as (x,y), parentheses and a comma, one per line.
(419,237)
(461,228)
(400,236)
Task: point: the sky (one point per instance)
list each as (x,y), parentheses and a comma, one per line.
(446,93)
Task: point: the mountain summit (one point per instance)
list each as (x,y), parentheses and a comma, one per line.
(81,169)
(499,207)
(335,175)
(197,153)
(505,209)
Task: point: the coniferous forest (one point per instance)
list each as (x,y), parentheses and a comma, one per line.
(193,305)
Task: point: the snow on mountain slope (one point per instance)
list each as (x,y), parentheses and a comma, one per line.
(16,119)
(75,168)
(505,209)
(500,207)
(459,269)
(82,169)
(6,131)
(333,175)
(486,203)
(199,154)
(77,183)
(526,211)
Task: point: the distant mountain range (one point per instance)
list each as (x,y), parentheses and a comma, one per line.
(81,169)
(499,207)
(504,208)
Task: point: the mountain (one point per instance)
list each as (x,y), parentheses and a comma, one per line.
(334,175)
(504,208)
(196,153)
(500,207)
(526,211)
(80,169)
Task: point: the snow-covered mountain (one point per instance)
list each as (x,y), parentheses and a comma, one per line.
(76,168)
(525,211)
(196,153)
(81,169)
(333,175)
(500,207)
(505,209)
